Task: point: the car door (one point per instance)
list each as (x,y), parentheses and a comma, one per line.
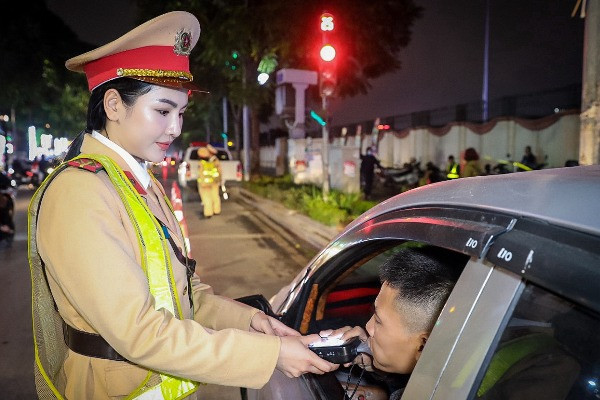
(533,332)
(309,302)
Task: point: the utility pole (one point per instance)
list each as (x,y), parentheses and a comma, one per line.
(486,63)
(327,84)
(246,134)
(589,134)
(226,135)
(325,133)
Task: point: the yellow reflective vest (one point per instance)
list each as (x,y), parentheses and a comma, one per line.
(49,344)
(209,172)
(453,171)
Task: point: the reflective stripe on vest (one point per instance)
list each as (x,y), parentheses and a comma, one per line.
(510,354)
(210,172)
(453,173)
(155,262)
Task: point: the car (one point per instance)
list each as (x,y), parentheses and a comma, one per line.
(187,172)
(533,246)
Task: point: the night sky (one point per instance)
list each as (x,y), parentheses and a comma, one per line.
(535,45)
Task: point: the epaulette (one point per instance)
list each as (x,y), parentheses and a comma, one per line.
(87,164)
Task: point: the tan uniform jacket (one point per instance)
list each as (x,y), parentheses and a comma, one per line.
(92,260)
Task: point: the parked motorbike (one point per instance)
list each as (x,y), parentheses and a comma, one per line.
(508,166)
(403,178)
(433,173)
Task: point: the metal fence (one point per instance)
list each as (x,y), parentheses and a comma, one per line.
(530,106)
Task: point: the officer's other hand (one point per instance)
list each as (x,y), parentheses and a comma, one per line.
(271,326)
(296,359)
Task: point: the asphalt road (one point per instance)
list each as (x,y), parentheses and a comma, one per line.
(237,253)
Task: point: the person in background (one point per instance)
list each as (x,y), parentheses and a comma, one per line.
(529,159)
(209,181)
(367,171)
(452,168)
(118,308)
(472,166)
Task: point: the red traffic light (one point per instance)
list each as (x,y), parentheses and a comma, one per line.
(383,127)
(327,53)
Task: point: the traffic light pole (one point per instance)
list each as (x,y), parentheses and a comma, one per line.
(325,152)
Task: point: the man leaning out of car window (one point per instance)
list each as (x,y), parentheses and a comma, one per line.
(416,283)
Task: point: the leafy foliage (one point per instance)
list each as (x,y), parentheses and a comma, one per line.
(338,210)
(370,36)
(35,44)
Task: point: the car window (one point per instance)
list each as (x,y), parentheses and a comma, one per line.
(348,300)
(550,349)
(194,154)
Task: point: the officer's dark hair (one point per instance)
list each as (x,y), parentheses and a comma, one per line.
(423,278)
(129,90)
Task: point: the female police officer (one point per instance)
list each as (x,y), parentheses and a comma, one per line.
(109,274)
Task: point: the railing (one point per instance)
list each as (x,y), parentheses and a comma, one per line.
(533,105)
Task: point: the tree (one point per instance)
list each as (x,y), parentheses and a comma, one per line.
(236,35)
(35,44)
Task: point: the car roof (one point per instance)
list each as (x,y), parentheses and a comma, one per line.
(568,197)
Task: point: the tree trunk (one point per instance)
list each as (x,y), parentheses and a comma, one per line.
(236,111)
(254,143)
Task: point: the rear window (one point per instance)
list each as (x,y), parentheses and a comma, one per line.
(221,155)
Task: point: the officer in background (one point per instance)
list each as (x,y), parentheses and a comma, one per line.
(209,181)
(452,168)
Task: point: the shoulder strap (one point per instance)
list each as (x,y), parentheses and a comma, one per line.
(86,163)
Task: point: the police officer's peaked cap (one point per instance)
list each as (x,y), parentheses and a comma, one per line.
(156,52)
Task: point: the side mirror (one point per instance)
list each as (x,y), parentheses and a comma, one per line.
(260,302)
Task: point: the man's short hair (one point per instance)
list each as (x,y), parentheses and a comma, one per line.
(424,278)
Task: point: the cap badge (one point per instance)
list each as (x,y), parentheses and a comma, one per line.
(183,43)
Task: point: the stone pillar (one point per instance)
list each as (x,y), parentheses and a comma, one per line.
(589,136)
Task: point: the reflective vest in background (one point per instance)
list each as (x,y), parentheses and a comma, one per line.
(453,172)
(209,172)
(510,354)
(49,343)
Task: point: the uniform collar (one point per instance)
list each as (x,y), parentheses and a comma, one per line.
(139,169)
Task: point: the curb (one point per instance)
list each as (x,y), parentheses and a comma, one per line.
(293,222)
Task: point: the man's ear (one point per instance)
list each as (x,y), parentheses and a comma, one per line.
(112,103)
(422,340)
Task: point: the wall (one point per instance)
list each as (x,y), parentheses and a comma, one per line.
(553,139)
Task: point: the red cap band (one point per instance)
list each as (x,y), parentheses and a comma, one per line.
(149,57)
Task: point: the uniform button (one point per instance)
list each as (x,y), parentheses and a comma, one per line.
(185,290)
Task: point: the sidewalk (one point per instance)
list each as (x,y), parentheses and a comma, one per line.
(290,222)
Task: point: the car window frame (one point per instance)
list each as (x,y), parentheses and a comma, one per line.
(478,333)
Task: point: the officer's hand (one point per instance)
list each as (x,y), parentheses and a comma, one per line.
(271,326)
(296,359)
